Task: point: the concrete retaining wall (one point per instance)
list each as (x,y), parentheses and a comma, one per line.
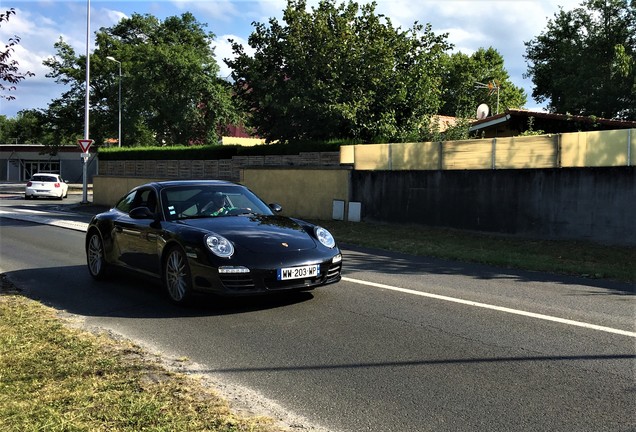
(597,204)
(108,189)
(306,193)
(303,192)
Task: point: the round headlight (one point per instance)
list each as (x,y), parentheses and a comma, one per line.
(219,246)
(325,237)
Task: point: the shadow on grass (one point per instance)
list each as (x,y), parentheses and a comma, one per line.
(375,260)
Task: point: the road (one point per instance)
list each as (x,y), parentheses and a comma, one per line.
(401,344)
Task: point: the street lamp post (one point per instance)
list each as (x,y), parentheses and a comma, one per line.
(119,63)
(86,103)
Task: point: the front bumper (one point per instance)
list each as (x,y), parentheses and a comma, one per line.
(260,281)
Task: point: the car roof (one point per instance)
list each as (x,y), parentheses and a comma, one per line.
(170,183)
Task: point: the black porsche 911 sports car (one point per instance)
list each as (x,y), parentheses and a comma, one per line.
(210,236)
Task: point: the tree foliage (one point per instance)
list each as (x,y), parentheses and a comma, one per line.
(583,63)
(26,127)
(9,69)
(461,92)
(338,72)
(170,90)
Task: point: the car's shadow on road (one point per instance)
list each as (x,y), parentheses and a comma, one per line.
(126,295)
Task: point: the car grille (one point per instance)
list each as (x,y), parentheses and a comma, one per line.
(239,282)
(333,274)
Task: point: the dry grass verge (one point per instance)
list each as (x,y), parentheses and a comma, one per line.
(58,378)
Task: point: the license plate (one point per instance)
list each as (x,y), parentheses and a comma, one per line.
(298,272)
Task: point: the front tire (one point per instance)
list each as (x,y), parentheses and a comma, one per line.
(95,256)
(177,278)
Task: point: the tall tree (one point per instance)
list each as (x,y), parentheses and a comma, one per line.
(170,90)
(9,69)
(583,63)
(462,75)
(338,71)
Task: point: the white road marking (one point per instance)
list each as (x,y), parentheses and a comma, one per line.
(39,217)
(493,307)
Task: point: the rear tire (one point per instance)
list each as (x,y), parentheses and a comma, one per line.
(176,276)
(97,265)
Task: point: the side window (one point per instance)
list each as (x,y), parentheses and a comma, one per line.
(151,202)
(147,198)
(126,203)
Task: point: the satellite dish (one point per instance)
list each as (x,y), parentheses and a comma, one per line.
(482,111)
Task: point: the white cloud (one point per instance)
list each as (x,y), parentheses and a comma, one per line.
(223,50)
(266,9)
(222,10)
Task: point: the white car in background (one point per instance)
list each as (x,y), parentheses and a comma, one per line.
(46,186)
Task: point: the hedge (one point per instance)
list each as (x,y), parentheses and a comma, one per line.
(213,152)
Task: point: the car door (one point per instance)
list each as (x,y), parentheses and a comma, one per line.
(145,245)
(136,239)
(123,228)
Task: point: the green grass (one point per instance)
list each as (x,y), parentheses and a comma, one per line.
(584,259)
(57,378)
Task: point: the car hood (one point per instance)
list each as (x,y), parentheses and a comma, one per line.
(258,233)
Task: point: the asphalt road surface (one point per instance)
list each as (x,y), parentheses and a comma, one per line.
(401,344)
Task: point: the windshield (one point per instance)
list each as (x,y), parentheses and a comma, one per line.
(186,202)
(42,178)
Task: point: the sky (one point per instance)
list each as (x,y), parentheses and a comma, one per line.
(471,24)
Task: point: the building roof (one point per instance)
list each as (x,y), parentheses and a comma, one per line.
(513,122)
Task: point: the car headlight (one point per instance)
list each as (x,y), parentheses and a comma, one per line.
(324,237)
(219,246)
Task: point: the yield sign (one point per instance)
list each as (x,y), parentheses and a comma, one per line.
(85,144)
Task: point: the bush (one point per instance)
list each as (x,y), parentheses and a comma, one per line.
(214,152)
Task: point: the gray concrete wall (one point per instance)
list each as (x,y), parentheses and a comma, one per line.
(597,204)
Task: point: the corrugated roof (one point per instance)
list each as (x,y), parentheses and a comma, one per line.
(479,124)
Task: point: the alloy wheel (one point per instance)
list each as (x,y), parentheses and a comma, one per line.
(177,276)
(95,256)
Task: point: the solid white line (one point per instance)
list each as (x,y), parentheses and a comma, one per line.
(31,216)
(493,307)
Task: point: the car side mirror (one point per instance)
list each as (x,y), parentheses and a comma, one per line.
(276,208)
(141,213)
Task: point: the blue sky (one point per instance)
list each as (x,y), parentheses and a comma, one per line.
(471,24)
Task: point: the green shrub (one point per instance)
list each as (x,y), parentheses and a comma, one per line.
(213,152)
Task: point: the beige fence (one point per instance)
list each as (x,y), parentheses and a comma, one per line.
(581,149)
